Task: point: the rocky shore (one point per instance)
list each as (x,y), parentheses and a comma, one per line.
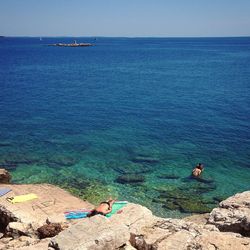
(40,224)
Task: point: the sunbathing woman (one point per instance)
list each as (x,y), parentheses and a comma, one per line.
(104,208)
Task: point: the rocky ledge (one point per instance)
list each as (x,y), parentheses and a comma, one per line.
(39,224)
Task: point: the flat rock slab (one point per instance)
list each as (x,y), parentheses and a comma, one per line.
(102,233)
(95,233)
(51,204)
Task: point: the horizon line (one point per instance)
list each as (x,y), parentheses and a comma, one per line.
(69,36)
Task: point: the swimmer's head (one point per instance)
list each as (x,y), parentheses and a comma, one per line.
(200,166)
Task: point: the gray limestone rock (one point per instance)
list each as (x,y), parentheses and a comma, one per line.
(17,229)
(219,241)
(94,233)
(233,214)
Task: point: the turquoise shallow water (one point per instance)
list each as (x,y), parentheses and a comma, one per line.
(93,120)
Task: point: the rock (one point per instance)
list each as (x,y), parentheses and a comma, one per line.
(130,179)
(183,200)
(6,240)
(130,168)
(218,198)
(176,234)
(8,166)
(16,229)
(5,176)
(12,160)
(198,188)
(49,230)
(210,227)
(127,247)
(134,216)
(135,227)
(192,206)
(218,240)
(175,194)
(200,219)
(165,234)
(5,144)
(2,246)
(61,161)
(99,232)
(145,159)
(95,233)
(171,205)
(233,214)
(40,245)
(198,179)
(168,176)
(23,241)
(21,161)
(51,204)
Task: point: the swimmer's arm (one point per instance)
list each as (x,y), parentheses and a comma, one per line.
(108,210)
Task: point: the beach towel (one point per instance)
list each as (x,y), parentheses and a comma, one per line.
(22,198)
(4,191)
(77,214)
(118,205)
(82,213)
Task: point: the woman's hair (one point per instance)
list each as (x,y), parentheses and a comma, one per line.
(200,166)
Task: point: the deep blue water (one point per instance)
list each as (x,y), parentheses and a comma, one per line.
(82,117)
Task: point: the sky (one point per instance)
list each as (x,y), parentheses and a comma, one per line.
(130,18)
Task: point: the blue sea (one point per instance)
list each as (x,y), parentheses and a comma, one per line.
(128,118)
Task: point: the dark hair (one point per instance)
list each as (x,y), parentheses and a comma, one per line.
(200,166)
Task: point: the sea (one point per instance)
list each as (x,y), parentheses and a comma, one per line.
(128,118)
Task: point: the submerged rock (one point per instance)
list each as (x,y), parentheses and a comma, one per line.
(145,159)
(198,179)
(97,192)
(63,161)
(9,166)
(5,144)
(168,176)
(175,194)
(12,160)
(197,188)
(171,205)
(218,198)
(132,168)
(130,179)
(186,201)
(192,206)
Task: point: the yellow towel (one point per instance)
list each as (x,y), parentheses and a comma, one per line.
(22,198)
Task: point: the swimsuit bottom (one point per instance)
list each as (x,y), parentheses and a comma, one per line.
(94,212)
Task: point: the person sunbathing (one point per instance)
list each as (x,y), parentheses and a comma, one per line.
(103,208)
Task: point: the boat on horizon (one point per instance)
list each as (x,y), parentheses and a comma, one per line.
(75,44)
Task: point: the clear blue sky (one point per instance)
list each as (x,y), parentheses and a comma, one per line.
(168,18)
